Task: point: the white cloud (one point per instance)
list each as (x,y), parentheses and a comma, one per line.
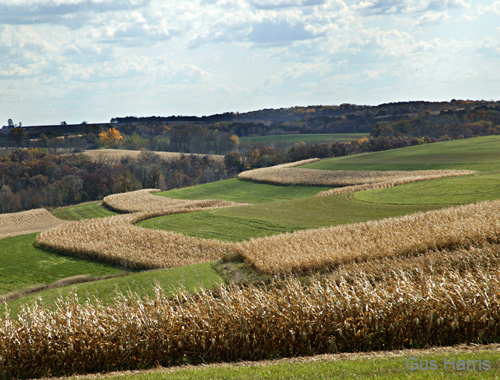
(494,8)
(388,7)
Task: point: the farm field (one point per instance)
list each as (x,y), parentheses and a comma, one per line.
(445,263)
(289,140)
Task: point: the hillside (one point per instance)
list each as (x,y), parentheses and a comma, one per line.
(376,298)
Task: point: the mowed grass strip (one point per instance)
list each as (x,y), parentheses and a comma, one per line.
(243,223)
(189,278)
(82,211)
(22,265)
(391,365)
(212,225)
(479,153)
(243,191)
(458,190)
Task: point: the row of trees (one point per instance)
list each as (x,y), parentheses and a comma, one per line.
(31,178)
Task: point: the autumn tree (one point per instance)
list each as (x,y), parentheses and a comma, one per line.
(235,141)
(111,138)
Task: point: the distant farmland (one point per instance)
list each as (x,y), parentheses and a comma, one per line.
(288,140)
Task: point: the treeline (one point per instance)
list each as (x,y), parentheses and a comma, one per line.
(31,178)
(446,124)
(212,134)
(269,156)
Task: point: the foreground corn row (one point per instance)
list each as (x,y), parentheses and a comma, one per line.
(27,222)
(114,156)
(394,237)
(356,180)
(144,200)
(405,308)
(116,240)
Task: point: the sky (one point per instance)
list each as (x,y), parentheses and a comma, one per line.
(92,60)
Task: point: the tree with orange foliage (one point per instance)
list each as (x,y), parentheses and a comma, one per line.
(111,138)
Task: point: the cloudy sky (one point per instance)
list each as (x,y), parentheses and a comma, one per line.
(91,60)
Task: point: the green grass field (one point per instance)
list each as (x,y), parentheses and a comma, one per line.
(190,278)
(352,368)
(243,191)
(457,190)
(22,265)
(82,211)
(480,153)
(320,138)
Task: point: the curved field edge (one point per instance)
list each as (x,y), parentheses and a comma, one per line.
(81,211)
(236,190)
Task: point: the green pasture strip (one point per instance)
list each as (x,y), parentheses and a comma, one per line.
(319,138)
(453,190)
(243,223)
(22,265)
(173,280)
(243,191)
(479,153)
(83,211)
(358,368)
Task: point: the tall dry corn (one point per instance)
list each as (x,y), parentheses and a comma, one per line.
(248,323)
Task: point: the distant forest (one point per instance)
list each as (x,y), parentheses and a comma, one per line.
(38,177)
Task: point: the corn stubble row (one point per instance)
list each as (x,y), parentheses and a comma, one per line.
(386,305)
(26,222)
(117,240)
(350,180)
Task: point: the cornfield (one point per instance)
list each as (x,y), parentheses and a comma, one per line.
(326,248)
(116,240)
(343,313)
(356,180)
(27,222)
(114,156)
(144,200)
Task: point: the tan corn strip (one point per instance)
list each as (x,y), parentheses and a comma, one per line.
(27,222)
